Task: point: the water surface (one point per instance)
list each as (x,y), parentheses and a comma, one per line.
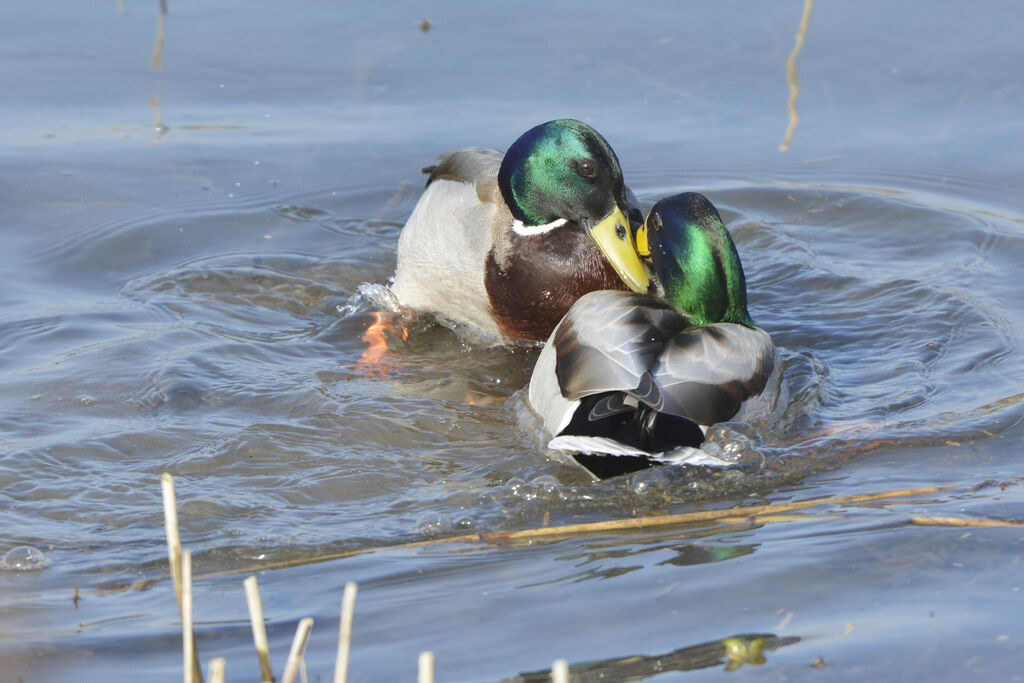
(189,220)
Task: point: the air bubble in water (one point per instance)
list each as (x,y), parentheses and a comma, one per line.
(24,559)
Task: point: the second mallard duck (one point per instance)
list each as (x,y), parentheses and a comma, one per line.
(628,380)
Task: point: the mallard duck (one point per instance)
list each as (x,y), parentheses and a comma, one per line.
(506,243)
(628,380)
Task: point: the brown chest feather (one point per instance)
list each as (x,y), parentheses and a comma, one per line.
(541,278)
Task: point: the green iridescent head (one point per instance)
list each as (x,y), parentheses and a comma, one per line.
(694,259)
(563,170)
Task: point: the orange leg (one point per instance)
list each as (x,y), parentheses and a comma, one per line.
(377,358)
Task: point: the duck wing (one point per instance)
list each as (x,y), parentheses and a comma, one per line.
(477,166)
(706,373)
(609,340)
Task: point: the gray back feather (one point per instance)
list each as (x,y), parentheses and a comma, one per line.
(628,342)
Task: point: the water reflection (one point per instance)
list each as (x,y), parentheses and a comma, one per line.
(794,88)
(608,559)
(690,658)
(157,61)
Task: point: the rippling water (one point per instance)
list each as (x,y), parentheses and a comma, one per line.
(194,252)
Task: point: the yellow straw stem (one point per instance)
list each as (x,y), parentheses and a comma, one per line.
(215,674)
(259,629)
(298,651)
(171,528)
(426,667)
(348,605)
(188,636)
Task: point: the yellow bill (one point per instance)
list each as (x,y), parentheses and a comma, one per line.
(615,240)
(642,246)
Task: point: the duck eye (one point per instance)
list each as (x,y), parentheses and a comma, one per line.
(587,168)
(657,222)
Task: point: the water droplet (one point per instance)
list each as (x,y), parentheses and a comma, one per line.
(24,558)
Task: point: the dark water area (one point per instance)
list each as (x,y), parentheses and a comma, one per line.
(199,210)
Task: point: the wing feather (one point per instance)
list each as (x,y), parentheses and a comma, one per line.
(609,340)
(706,373)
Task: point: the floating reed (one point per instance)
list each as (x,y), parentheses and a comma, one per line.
(259,628)
(296,656)
(756,513)
(959,521)
(348,606)
(426,667)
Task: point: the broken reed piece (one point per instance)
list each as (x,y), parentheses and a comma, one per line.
(188,636)
(171,528)
(259,629)
(192,672)
(348,605)
(215,674)
(560,671)
(426,667)
(298,652)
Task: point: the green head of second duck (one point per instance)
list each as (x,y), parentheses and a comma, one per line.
(563,170)
(694,260)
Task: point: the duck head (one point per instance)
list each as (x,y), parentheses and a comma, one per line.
(563,172)
(694,260)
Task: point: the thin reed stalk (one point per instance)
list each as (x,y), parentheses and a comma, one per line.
(171,529)
(259,628)
(426,667)
(298,652)
(215,674)
(188,636)
(348,605)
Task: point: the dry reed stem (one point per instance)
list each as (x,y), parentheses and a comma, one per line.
(259,628)
(744,511)
(171,529)
(960,522)
(348,606)
(188,636)
(560,671)
(426,667)
(174,557)
(298,651)
(215,674)
(739,512)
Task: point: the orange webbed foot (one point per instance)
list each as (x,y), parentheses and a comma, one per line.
(377,359)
